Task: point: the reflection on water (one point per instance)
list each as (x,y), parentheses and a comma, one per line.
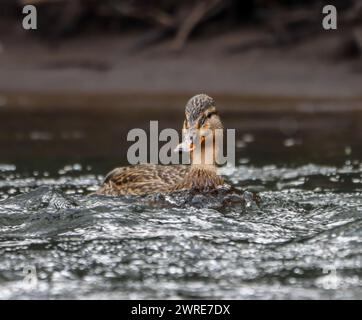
(303,240)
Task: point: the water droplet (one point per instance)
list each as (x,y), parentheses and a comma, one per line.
(240,144)
(248,138)
(347,150)
(244,161)
(37,135)
(289,142)
(77,167)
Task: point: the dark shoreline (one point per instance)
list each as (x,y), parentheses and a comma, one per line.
(33,72)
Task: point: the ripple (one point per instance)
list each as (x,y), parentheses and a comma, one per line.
(292,241)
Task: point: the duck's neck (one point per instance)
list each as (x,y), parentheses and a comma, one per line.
(204,157)
(203,174)
(210,168)
(202,177)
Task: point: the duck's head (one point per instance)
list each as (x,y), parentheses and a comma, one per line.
(201,124)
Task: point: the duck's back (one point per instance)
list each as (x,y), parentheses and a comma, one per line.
(143,179)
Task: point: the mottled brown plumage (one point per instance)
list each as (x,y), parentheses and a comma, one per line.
(200,112)
(143,179)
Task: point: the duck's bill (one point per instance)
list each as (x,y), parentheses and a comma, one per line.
(186,145)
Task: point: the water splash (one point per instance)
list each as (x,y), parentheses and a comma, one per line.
(186,245)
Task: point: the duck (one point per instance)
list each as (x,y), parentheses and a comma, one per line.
(201,118)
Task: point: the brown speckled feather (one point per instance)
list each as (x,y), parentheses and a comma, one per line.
(201,179)
(143,179)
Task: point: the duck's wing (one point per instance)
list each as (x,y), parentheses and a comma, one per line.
(142,179)
(173,174)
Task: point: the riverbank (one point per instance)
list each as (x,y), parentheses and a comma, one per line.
(115,70)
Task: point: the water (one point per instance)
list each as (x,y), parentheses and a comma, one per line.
(303,240)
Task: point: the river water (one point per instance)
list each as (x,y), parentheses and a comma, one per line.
(303,240)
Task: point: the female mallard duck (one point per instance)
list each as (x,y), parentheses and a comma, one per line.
(201,175)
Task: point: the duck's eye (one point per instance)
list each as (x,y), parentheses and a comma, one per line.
(208,116)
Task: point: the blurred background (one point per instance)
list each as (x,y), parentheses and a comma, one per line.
(94,69)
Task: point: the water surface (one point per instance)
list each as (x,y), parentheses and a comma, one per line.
(302,241)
